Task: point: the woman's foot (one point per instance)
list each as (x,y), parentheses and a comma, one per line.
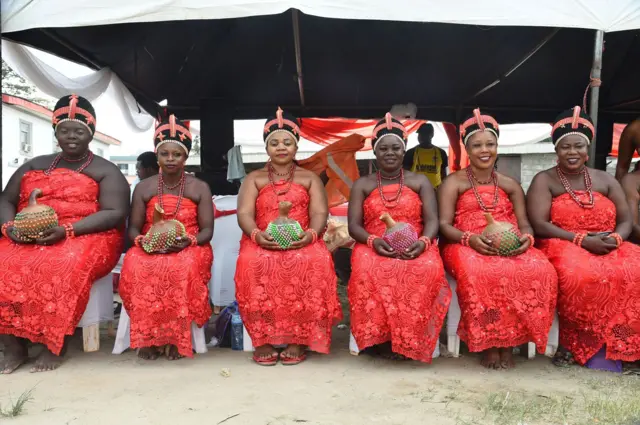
(506,358)
(47,361)
(15,354)
(491,358)
(292,355)
(148,353)
(386,352)
(563,358)
(171,351)
(265,355)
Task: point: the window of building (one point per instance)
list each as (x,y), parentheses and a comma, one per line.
(124,168)
(26,145)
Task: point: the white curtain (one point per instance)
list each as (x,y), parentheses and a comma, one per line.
(91,86)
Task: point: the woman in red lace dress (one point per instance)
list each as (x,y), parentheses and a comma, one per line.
(504,301)
(165,292)
(584,219)
(45,284)
(399,298)
(286,297)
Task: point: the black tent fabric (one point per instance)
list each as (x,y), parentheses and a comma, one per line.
(355,68)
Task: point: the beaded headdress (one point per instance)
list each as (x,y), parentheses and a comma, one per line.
(172,130)
(389,126)
(281,123)
(478,122)
(572,122)
(74,108)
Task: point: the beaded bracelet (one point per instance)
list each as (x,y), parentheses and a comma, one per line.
(529,236)
(370,240)
(314,235)
(68,230)
(618,239)
(578,238)
(466,236)
(193,240)
(254,234)
(427,242)
(5,228)
(138,241)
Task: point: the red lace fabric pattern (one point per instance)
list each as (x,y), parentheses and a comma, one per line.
(402,301)
(504,301)
(599,295)
(44,290)
(165,293)
(287,297)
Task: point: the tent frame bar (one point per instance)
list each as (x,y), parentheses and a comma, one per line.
(296,40)
(596,73)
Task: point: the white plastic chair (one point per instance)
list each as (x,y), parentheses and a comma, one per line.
(99,309)
(453,319)
(226,245)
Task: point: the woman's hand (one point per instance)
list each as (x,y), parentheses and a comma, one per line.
(414,250)
(181,243)
(382,248)
(525,244)
(305,239)
(52,236)
(599,245)
(266,241)
(482,245)
(11,234)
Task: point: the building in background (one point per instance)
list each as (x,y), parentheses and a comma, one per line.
(27,133)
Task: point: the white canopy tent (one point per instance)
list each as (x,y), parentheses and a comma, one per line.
(604,15)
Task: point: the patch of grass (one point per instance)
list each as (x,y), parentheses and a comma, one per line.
(614,406)
(510,407)
(17,408)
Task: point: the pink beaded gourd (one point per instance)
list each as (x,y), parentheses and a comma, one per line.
(399,236)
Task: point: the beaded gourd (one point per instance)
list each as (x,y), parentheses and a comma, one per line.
(163,234)
(502,235)
(283,229)
(399,236)
(34,219)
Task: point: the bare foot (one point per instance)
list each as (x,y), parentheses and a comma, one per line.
(15,354)
(172,353)
(47,361)
(506,358)
(491,358)
(293,354)
(265,352)
(148,353)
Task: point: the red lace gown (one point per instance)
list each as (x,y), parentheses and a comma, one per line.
(504,301)
(402,301)
(165,293)
(599,295)
(287,297)
(44,290)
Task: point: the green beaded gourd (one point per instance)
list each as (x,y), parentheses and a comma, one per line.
(283,229)
(503,236)
(163,234)
(34,219)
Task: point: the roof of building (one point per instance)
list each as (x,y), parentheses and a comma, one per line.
(46,113)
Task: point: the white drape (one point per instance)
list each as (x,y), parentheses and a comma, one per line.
(91,86)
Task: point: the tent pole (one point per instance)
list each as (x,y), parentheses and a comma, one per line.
(296,41)
(596,72)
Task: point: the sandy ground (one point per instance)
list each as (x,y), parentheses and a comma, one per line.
(101,388)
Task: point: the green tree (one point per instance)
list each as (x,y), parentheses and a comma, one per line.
(14,85)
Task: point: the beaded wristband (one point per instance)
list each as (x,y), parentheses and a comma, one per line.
(466,236)
(529,236)
(68,230)
(578,238)
(618,239)
(5,228)
(193,240)
(426,241)
(314,235)
(138,241)
(370,240)
(254,234)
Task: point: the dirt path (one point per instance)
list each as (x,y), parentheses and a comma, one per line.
(100,388)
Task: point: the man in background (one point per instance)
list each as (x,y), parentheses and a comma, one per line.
(629,143)
(146,167)
(426,158)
